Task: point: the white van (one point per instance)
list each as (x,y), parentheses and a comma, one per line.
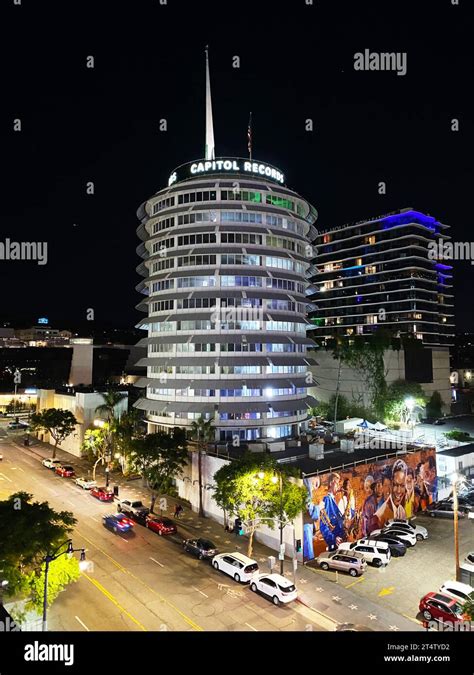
(376,553)
(236,565)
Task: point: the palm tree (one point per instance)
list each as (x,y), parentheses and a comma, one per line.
(111,401)
(202,432)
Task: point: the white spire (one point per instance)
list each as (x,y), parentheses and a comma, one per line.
(210,148)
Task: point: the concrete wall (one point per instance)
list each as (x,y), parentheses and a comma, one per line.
(188,488)
(81,362)
(354,387)
(82,406)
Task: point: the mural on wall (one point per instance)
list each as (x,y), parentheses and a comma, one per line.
(348,505)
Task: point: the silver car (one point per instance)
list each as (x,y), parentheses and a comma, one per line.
(343,561)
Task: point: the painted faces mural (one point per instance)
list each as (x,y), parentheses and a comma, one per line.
(348,505)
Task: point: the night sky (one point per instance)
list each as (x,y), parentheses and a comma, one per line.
(296,62)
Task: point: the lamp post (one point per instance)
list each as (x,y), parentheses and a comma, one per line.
(49,558)
(454,481)
(278,479)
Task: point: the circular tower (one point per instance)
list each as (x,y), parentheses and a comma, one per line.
(225,250)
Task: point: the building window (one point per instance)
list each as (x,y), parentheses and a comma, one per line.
(283,203)
(327,238)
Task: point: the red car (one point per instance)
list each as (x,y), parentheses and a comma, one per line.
(160,525)
(103,494)
(65,471)
(441,607)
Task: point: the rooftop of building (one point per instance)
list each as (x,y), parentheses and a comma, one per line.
(392,216)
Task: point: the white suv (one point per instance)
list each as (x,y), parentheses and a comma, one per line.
(275,586)
(376,553)
(236,565)
(457,590)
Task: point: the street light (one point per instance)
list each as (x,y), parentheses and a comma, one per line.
(49,558)
(454,481)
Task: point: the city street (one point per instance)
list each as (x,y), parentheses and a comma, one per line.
(147,582)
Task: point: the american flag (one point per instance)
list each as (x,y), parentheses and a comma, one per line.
(249,136)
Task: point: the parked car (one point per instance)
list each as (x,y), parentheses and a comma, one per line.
(345,561)
(375,552)
(103,494)
(397,547)
(275,586)
(160,525)
(443,510)
(440,607)
(408,538)
(469,562)
(85,483)
(65,471)
(465,505)
(457,590)
(117,522)
(134,509)
(419,531)
(236,565)
(51,463)
(18,425)
(202,548)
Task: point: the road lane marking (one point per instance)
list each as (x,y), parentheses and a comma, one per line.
(357,581)
(94,519)
(116,603)
(186,618)
(197,589)
(250,626)
(6,478)
(82,624)
(156,561)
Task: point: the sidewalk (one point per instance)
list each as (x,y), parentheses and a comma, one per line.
(334,601)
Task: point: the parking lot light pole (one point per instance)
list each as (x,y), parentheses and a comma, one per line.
(455,479)
(49,559)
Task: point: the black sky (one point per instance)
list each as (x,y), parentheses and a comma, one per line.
(102,125)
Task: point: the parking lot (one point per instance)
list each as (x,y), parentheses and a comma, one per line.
(424,568)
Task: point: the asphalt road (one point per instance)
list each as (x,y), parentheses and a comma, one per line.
(141,582)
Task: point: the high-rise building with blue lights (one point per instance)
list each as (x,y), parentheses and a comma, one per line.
(379,273)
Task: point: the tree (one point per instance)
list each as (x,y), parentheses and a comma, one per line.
(247,489)
(159,458)
(25,545)
(397,393)
(57,422)
(434,405)
(96,445)
(202,431)
(109,407)
(128,427)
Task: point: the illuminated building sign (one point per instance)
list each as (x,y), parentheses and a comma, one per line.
(43,320)
(226,165)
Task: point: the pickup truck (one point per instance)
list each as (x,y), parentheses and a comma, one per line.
(134,509)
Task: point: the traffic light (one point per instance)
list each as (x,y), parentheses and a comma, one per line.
(298,545)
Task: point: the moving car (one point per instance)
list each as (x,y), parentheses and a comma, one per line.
(160,525)
(457,590)
(51,463)
(443,510)
(202,548)
(275,586)
(134,508)
(440,607)
(419,531)
(397,547)
(103,494)
(117,522)
(65,471)
(408,538)
(376,553)
(343,561)
(236,565)
(85,483)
